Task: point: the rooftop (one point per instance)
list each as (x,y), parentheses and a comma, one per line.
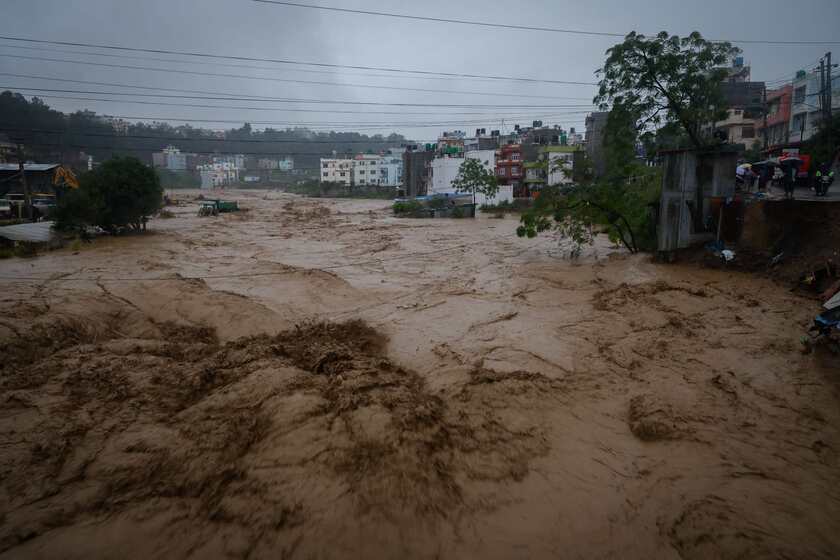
(28,166)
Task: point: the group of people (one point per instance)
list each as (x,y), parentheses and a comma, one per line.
(784,174)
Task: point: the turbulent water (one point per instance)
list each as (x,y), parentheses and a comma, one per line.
(318,379)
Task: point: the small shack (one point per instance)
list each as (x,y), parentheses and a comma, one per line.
(39,177)
(695,184)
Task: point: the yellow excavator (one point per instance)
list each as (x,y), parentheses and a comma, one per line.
(65,178)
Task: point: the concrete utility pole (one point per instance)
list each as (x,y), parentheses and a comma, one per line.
(766,140)
(822,87)
(828,85)
(27,200)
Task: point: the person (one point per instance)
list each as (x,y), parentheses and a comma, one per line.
(824,176)
(764,177)
(789,180)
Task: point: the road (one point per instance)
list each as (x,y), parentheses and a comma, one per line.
(319,379)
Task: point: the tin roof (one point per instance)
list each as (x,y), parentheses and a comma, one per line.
(28,166)
(35,232)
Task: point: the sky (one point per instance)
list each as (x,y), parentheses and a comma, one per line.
(382,102)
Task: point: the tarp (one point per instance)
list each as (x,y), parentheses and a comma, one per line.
(35,232)
(833,302)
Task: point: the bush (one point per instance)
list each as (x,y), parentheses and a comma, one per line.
(407,207)
(120,194)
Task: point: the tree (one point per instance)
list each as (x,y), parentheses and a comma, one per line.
(119,194)
(474,178)
(667,79)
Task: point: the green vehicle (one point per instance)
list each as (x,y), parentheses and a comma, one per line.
(214,207)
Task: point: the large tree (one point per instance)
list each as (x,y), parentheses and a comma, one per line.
(667,79)
(474,178)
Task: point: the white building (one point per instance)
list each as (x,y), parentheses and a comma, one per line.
(560,164)
(444,170)
(284,164)
(367,170)
(337,170)
(170,158)
(237,160)
(806,112)
(215,175)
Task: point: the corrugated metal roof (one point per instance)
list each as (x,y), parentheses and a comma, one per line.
(28,166)
(35,232)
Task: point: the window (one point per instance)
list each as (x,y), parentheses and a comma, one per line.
(362,172)
(514,170)
(515,157)
(799,95)
(748,132)
(737,112)
(326,174)
(500,172)
(326,165)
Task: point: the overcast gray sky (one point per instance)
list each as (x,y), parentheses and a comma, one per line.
(250,29)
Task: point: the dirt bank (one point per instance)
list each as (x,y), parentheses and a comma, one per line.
(345,384)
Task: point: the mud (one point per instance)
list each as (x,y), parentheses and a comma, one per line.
(342,383)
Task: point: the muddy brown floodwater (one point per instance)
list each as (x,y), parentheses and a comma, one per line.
(318,379)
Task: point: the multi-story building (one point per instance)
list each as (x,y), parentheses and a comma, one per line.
(337,170)
(391,170)
(509,169)
(775,129)
(170,158)
(806,111)
(282,164)
(451,143)
(596,124)
(740,126)
(443,171)
(416,161)
(560,164)
(367,169)
(215,175)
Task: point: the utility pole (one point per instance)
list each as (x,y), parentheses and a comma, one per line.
(828,86)
(766,140)
(27,201)
(822,88)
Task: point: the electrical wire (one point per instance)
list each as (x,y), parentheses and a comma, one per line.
(289,61)
(520,27)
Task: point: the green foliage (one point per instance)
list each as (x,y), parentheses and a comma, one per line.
(407,207)
(622,208)
(457,212)
(518,205)
(474,178)
(825,145)
(177,180)
(119,194)
(45,131)
(667,80)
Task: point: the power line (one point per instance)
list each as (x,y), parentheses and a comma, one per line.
(304,101)
(289,61)
(230,65)
(519,27)
(372,86)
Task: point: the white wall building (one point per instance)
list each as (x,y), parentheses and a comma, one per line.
(215,175)
(444,170)
(285,164)
(367,170)
(337,170)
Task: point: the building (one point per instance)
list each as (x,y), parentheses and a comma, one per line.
(444,170)
(391,169)
(284,164)
(416,161)
(367,170)
(775,129)
(337,170)
(596,124)
(236,160)
(481,141)
(509,171)
(170,158)
(740,127)
(806,111)
(574,138)
(219,174)
(560,164)
(451,143)
(120,126)
(8,150)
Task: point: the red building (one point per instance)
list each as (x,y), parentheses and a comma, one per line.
(778,116)
(509,169)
